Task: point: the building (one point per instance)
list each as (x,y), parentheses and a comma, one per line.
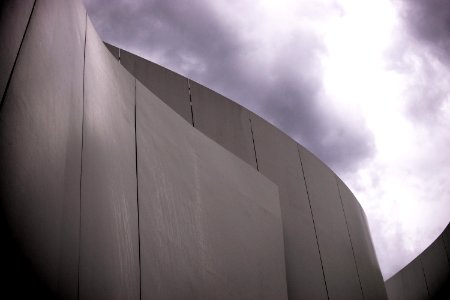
(122,179)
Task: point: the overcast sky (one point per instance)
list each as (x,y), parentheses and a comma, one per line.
(363,84)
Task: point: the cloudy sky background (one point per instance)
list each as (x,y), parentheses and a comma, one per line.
(363,84)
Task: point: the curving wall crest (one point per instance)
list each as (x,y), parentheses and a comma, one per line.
(121,179)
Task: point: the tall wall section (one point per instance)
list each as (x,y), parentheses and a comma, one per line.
(106,193)
(427,276)
(328,250)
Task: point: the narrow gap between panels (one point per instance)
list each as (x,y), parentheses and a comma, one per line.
(119,55)
(350,237)
(253,140)
(16,58)
(190,102)
(137,188)
(424,276)
(314,222)
(81,154)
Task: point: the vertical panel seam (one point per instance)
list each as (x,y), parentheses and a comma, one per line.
(350,237)
(314,223)
(137,187)
(424,276)
(253,141)
(81,156)
(17,57)
(190,102)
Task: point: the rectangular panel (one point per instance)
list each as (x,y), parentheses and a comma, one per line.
(446,237)
(109,254)
(436,267)
(278,159)
(413,281)
(14,16)
(394,287)
(224,121)
(408,283)
(338,262)
(210,224)
(113,49)
(40,148)
(167,85)
(366,260)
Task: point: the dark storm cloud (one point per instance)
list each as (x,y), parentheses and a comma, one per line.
(429,22)
(428,26)
(196,39)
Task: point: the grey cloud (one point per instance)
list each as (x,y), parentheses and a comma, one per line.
(428,95)
(429,22)
(192,38)
(423,52)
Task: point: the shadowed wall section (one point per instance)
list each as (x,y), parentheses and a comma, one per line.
(427,276)
(40,148)
(164,83)
(14,18)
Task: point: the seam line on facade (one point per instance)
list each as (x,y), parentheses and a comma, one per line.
(253,140)
(137,188)
(314,223)
(17,57)
(81,154)
(350,237)
(190,102)
(424,276)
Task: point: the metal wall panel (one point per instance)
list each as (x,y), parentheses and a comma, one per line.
(114,50)
(223,121)
(436,267)
(445,293)
(394,287)
(414,286)
(210,224)
(40,149)
(109,253)
(278,159)
(128,61)
(14,16)
(408,284)
(167,85)
(334,243)
(366,261)
(446,238)
(426,277)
